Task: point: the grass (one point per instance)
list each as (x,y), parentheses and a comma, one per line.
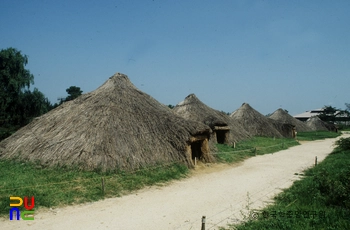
(58,186)
(321,200)
(252,147)
(316,135)
(53,187)
(344,127)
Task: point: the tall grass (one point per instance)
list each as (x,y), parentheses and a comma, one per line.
(252,147)
(321,200)
(60,186)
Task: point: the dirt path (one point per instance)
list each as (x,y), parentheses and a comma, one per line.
(220,195)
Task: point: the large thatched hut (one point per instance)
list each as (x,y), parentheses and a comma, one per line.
(259,125)
(116,126)
(282,116)
(225,130)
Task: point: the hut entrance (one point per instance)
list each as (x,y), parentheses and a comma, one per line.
(294,132)
(196,148)
(222,133)
(221,136)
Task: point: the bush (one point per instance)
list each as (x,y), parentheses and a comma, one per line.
(335,188)
(343,144)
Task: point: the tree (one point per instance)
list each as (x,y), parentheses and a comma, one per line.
(347,106)
(334,115)
(328,114)
(223,112)
(33,104)
(73,92)
(18,105)
(13,79)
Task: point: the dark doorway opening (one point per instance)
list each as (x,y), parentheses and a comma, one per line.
(196,148)
(221,136)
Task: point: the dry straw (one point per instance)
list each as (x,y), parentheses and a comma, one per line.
(194,109)
(257,124)
(316,124)
(116,126)
(282,116)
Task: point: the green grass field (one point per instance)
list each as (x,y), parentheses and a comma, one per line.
(321,200)
(252,147)
(316,135)
(56,186)
(53,187)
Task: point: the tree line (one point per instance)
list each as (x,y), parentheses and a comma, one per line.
(18,104)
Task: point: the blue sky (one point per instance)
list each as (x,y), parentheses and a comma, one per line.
(270,54)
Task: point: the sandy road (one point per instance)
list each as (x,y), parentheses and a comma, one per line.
(219,193)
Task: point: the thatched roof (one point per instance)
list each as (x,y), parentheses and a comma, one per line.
(194,109)
(282,116)
(259,125)
(116,126)
(316,124)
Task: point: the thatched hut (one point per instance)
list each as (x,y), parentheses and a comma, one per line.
(316,124)
(225,130)
(257,124)
(282,116)
(117,126)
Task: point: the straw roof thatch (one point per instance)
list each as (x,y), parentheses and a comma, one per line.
(282,116)
(259,125)
(316,124)
(194,109)
(116,126)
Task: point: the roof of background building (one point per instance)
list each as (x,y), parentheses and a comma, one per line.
(309,114)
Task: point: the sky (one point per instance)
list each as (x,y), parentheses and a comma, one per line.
(293,55)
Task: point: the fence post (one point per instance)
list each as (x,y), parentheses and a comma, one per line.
(203,223)
(103,186)
(234,144)
(315,160)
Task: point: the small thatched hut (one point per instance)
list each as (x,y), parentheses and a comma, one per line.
(116,126)
(257,124)
(282,116)
(225,130)
(316,124)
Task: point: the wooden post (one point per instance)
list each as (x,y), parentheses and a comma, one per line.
(234,144)
(315,160)
(203,223)
(103,186)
